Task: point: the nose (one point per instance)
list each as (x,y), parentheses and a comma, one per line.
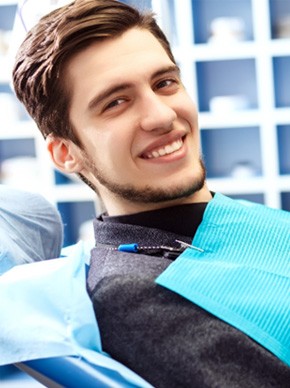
(156,114)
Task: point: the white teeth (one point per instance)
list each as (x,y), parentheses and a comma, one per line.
(166,150)
(169,149)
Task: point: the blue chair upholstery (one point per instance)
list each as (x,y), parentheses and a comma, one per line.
(72,372)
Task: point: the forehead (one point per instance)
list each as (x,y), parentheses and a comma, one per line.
(133,53)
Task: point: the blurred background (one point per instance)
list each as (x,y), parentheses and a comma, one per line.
(234,57)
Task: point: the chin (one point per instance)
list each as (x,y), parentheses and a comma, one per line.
(175,192)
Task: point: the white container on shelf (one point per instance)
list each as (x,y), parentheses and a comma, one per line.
(221,104)
(227,30)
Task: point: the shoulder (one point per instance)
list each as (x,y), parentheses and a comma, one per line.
(26,203)
(31,227)
(109,264)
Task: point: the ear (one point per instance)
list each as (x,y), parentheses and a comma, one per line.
(64,153)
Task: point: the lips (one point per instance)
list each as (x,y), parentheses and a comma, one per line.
(163,150)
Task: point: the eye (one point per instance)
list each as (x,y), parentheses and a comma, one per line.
(114,103)
(167,84)
(164,83)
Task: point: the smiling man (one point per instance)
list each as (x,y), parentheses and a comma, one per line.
(136,108)
(100,80)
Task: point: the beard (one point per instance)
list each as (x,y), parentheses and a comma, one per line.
(146,194)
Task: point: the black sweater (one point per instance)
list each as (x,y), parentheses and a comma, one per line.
(167,340)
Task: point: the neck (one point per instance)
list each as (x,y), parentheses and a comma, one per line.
(116,206)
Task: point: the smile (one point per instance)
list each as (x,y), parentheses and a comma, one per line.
(165,150)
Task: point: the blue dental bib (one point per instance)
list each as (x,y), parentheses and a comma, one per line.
(241,273)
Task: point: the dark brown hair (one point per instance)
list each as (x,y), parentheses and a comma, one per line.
(38,71)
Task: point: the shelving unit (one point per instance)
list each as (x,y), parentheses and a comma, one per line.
(246,147)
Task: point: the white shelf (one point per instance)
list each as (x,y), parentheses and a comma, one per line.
(281,116)
(216,51)
(237,186)
(73,192)
(279,47)
(18,130)
(8,2)
(283,183)
(233,119)
(239,50)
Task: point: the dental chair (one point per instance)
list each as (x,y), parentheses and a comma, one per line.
(48,327)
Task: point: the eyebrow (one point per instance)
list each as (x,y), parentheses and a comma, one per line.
(107,93)
(165,70)
(123,86)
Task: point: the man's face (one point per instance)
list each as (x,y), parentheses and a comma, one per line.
(136,122)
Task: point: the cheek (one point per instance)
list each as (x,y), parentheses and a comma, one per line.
(110,149)
(188,115)
(188,107)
